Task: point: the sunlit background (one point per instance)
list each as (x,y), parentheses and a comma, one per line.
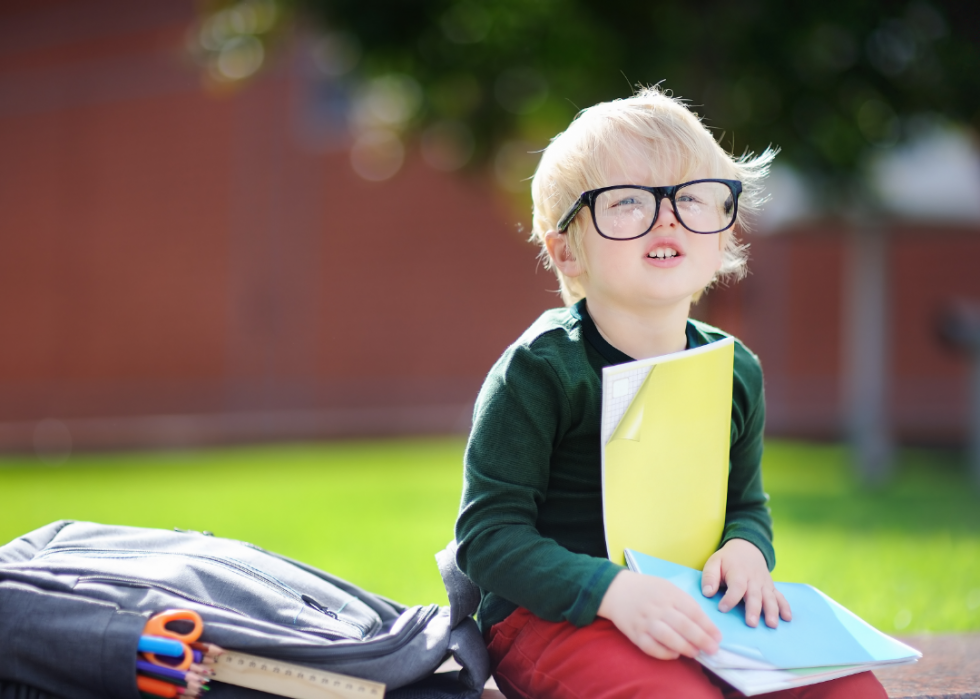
(259,255)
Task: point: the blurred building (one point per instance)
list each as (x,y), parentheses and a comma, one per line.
(792,311)
(805,309)
(183,267)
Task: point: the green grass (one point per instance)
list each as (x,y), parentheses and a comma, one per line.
(374,513)
(906,557)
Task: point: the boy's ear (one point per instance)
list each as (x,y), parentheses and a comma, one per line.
(561,254)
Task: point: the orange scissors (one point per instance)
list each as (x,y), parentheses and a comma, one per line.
(173,624)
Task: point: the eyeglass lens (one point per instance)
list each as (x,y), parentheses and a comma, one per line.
(628,212)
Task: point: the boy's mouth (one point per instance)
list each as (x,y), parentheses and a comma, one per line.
(663,253)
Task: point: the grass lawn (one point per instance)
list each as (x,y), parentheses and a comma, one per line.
(906,558)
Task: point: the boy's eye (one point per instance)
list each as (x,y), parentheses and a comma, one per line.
(624,206)
(632,202)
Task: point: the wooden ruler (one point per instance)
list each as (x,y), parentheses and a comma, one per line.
(289,680)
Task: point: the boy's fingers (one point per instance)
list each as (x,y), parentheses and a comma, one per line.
(693,632)
(711,576)
(649,645)
(736,590)
(690,609)
(668,637)
(753,605)
(770,607)
(784,611)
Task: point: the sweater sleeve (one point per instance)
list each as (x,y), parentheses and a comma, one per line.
(748,514)
(520,416)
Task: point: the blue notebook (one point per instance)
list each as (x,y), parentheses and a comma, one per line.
(822,633)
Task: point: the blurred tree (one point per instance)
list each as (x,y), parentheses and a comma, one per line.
(827,82)
(490,81)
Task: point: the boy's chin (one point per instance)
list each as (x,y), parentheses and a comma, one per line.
(659,294)
(663,298)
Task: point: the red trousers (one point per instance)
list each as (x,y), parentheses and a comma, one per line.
(531,657)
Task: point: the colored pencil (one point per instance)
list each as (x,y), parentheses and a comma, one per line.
(157,687)
(162,678)
(163,670)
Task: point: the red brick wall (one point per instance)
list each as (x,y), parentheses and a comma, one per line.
(166,251)
(790,310)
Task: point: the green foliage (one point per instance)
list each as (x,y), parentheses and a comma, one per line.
(905,558)
(824,81)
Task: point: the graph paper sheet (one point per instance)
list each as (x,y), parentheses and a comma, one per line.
(620,384)
(665,432)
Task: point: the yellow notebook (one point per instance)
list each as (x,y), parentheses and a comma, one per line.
(666,429)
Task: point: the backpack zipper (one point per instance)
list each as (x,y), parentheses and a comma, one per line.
(228,563)
(231,563)
(133,582)
(346,648)
(375,648)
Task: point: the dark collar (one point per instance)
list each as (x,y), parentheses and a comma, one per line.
(612,355)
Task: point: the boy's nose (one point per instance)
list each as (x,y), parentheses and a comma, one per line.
(666,216)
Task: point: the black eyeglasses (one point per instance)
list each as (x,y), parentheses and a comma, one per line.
(625,212)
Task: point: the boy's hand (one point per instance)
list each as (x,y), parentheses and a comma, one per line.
(658,617)
(741,566)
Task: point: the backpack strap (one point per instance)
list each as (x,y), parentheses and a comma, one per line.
(464,595)
(465,640)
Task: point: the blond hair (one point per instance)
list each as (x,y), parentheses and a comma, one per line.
(659,126)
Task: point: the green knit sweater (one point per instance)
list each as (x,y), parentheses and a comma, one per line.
(530,529)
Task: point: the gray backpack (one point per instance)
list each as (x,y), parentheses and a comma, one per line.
(74,597)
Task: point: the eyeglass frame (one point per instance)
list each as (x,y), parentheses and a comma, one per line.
(660,193)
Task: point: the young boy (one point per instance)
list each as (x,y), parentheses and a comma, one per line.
(631,254)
